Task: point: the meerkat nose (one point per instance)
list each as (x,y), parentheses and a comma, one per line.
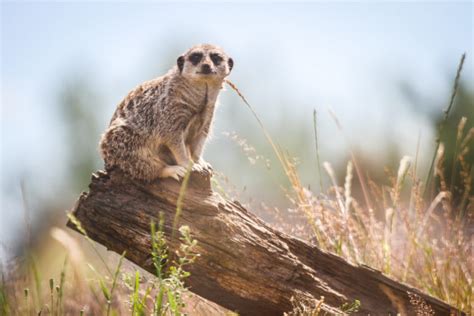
(206,69)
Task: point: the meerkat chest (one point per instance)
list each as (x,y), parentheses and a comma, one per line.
(203,110)
(200,121)
(202,118)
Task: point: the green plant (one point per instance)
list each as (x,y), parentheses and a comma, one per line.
(167,290)
(349,308)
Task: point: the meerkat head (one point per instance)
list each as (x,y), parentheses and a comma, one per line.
(205,62)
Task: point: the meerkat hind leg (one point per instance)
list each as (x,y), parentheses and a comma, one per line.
(177,159)
(126,149)
(180,152)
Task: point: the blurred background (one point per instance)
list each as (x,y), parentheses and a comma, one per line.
(384,70)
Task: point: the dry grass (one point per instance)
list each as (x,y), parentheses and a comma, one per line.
(422,242)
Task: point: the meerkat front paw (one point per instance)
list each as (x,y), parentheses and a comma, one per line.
(201,166)
(175,172)
(198,167)
(204,164)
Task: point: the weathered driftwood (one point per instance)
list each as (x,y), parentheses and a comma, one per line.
(245,265)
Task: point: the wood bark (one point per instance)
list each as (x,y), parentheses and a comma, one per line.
(245,265)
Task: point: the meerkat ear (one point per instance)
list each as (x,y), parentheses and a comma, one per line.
(231,63)
(180,63)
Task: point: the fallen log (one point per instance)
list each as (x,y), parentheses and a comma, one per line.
(245,265)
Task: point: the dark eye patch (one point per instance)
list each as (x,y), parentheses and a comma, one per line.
(195,58)
(216,59)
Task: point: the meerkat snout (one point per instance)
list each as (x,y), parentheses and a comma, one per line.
(206,69)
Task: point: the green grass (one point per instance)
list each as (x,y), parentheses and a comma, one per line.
(107,294)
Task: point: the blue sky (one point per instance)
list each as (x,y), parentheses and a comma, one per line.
(289,59)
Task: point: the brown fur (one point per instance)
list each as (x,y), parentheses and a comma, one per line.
(161,126)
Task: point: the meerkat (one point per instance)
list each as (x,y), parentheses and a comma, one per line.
(161,126)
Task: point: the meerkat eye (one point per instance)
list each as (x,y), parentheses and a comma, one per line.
(216,59)
(195,58)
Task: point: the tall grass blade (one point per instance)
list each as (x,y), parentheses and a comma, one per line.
(317,150)
(288,168)
(443,123)
(459,134)
(37,279)
(114,282)
(62,281)
(51,292)
(27,301)
(360,176)
(179,202)
(136,307)
(4,305)
(81,229)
